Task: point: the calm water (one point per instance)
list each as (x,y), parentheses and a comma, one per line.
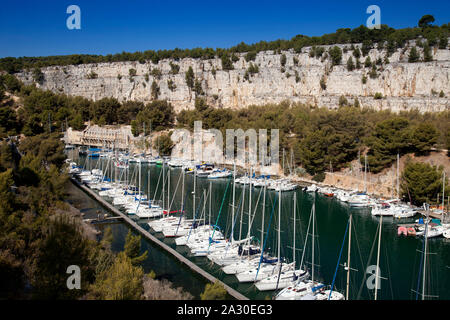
(400,260)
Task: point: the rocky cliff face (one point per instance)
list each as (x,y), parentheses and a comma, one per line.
(404,86)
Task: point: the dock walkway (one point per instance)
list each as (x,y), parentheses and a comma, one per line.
(155,240)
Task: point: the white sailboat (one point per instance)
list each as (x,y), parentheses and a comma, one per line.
(264,270)
(299,289)
(284,278)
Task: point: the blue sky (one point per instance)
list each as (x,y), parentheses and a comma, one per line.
(38,28)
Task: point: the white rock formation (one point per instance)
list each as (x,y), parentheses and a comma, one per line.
(404,86)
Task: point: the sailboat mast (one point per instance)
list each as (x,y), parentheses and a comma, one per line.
(398,171)
(365,173)
(182,192)
(425,255)
(443,195)
(378,259)
(242,211)
(210,189)
(249,208)
(139,181)
(193,193)
(313,225)
(293,247)
(232,208)
(204,204)
(145,147)
(148,187)
(292,161)
(164,185)
(168,191)
(151,144)
(348,257)
(263,213)
(279,225)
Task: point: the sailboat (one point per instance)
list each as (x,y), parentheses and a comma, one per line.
(250,262)
(298,289)
(232,251)
(284,278)
(332,294)
(264,270)
(425,254)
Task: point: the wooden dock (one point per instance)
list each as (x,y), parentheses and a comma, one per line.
(155,240)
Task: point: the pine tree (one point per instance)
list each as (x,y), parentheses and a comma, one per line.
(189,76)
(132,249)
(413,55)
(421,182)
(350,64)
(214,291)
(427,56)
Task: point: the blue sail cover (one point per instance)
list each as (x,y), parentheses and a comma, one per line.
(318,288)
(267,260)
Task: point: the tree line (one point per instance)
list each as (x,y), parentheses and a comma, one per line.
(320,137)
(45,111)
(386,36)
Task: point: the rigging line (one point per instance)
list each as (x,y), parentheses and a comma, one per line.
(157,185)
(265,240)
(232,229)
(195,214)
(203,214)
(176,188)
(298,215)
(254,211)
(233,223)
(355,236)
(316,235)
(231,217)
(306,240)
(368,261)
(413,278)
(184,203)
(339,260)
(389,272)
(242,212)
(220,211)
(420,268)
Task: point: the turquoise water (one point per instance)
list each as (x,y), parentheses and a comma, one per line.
(400,259)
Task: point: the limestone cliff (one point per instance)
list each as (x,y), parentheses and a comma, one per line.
(404,86)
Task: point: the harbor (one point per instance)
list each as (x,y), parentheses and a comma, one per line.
(150,237)
(330,231)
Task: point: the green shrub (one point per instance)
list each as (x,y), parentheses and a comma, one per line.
(378,96)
